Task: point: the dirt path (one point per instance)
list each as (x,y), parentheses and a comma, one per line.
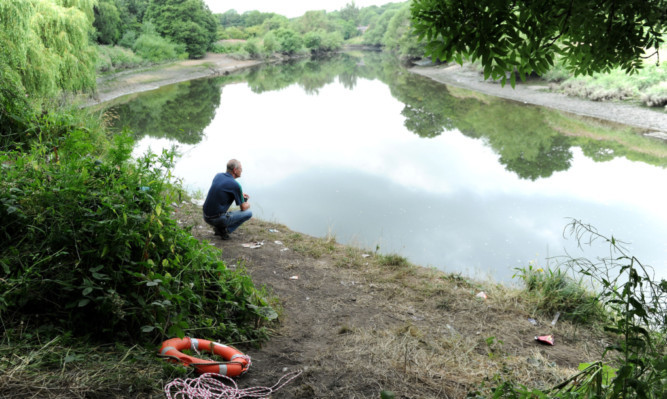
(357,323)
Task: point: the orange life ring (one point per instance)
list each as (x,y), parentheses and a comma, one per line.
(235,364)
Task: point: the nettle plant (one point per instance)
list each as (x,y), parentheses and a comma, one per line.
(90,245)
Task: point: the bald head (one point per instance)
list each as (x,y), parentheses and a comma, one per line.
(234,168)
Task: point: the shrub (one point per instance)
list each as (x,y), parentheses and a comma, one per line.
(270,43)
(89,245)
(128,39)
(112,58)
(227,47)
(156,48)
(252,47)
(290,41)
(656,96)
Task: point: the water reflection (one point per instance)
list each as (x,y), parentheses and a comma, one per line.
(380,156)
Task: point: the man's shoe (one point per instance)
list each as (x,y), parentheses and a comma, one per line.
(224,235)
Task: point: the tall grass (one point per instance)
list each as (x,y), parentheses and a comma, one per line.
(647,85)
(553,291)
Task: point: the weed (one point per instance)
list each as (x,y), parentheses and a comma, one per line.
(555,290)
(393,261)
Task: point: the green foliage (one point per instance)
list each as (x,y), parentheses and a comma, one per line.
(270,42)
(399,35)
(377,29)
(393,261)
(313,21)
(90,245)
(647,85)
(178,112)
(320,41)
(116,58)
(155,48)
(233,33)
(553,291)
(290,42)
(525,36)
(227,47)
(44,47)
(253,47)
(186,22)
(107,22)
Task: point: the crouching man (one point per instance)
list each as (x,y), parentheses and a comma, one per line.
(225,190)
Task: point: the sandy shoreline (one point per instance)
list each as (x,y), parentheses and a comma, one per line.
(653,121)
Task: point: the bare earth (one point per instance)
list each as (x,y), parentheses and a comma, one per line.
(358,324)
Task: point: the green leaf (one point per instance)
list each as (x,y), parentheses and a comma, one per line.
(147,329)
(83,302)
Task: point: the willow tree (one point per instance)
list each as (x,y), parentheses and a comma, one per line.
(44,46)
(44,50)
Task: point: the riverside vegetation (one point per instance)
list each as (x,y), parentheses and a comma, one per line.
(95,269)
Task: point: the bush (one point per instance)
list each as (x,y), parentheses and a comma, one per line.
(156,48)
(656,96)
(128,39)
(113,58)
(252,47)
(89,245)
(227,47)
(270,43)
(290,41)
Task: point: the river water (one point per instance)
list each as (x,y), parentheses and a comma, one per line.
(358,148)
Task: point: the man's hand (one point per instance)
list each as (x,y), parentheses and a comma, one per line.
(245,206)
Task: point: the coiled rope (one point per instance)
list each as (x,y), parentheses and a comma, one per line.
(210,386)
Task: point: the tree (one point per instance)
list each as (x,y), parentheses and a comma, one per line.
(350,13)
(290,41)
(44,46)
(107,22)
(590,35)
(230,18)
(188,22)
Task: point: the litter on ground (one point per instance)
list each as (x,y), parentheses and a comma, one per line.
(253,245)
(545,339)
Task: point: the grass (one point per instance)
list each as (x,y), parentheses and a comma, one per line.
(647,86)
(554,291)
(444,339)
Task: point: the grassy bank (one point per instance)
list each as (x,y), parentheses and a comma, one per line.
(410,330)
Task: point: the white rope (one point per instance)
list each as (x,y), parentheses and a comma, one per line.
(209,386)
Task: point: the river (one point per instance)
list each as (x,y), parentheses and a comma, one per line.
(358,148)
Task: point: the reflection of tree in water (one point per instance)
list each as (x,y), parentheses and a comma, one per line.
(180,112)
(541,161)
(528,139)
(311,75)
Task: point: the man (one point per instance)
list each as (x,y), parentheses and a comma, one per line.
(225,190)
